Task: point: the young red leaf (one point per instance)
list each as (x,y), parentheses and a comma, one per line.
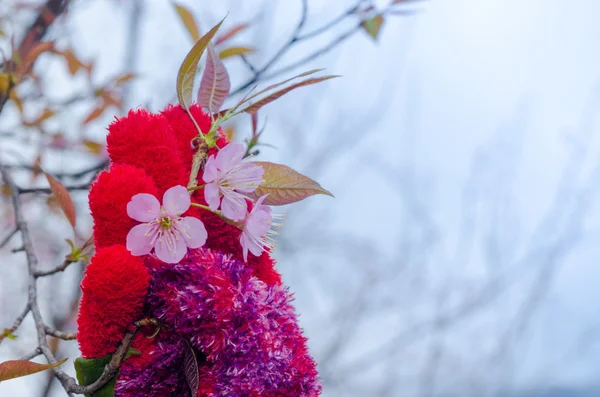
(187,70)
(284,185)
(277,94)
(190,365)
(17,368)
(273,86)
(215,84)
(63,197)
(230,33)
(233,51)
(188,21)
(373,26)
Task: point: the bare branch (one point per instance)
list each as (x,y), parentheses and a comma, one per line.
(15,324)
(6,239)
(60,334)
(62,267)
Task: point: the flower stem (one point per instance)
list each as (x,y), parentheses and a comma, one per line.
(193,189)
(204,207)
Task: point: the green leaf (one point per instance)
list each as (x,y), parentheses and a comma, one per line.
(277,94)
(18,368)
(373,26)
(284,185)
(188,21)
(187,70)
(89,370)
(215,84)
(8,334)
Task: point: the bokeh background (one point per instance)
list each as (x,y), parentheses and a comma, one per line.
(460,254)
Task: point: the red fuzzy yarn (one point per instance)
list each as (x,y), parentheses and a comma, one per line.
(185,131)
(114,288)
(147,141)
(108,202)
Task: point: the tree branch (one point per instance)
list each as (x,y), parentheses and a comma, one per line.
(60,334)
(15,324)
(57,269)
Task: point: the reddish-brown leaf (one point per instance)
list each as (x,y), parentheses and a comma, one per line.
(284,185)
(17,368)
(124,78)
(16,100)
(63,197)
(277,94)
(73,63)
(273,86)
(215,84)
(233,51)
(187,70)
(95,113)
(230,33)
(188,21)
(36,51)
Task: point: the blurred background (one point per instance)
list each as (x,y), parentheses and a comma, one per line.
(460,254)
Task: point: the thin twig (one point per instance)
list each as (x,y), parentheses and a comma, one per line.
(60,334)
(32,354)
(258,73)
(57,269)
(6,239)
(15,324)
(330,24)
(47,190)
(322,51)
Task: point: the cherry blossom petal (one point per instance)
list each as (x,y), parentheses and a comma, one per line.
(210,170)
(212,196)
(143,207)
(170,251)
(234,205)
(246,177)
(138,239)
(230,155)
(259,223)
(193,232)
(176,200)
(252,244)
(259,203)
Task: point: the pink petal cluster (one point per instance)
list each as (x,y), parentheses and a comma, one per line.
(164,230)
(227,178)
(257,225)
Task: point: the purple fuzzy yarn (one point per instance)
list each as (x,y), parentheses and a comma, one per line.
(245,331)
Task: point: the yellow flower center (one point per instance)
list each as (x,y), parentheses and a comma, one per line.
(165,222)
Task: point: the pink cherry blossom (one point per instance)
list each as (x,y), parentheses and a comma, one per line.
(257,229)
(227,178)
(163,229)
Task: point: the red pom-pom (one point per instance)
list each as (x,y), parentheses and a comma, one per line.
(114,288)
(108,202)
(147,141)
(185,131)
